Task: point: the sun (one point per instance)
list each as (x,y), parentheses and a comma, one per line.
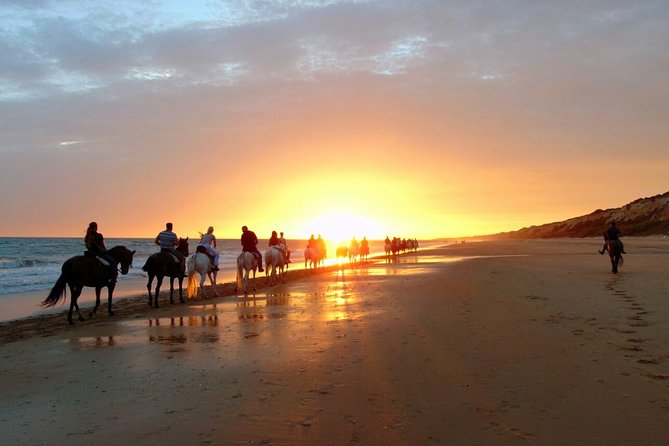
(343,226)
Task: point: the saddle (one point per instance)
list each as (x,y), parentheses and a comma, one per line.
(91,254)
(201,249)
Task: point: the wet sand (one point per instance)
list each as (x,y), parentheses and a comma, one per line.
(511,342)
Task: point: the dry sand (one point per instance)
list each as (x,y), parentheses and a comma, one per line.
(513,342)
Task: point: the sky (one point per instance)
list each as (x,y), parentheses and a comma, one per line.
(413,118)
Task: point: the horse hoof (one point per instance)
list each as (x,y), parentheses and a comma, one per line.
(111,313)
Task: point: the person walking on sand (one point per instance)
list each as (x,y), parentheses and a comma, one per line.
(250,244)
(208,241)
(95,244)
(611,234)
(167,240)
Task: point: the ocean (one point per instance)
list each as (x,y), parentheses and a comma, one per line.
(34,263)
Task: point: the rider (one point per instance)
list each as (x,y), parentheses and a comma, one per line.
(321,246)
(95,243)
(364,246)
(282,240)
(208,241)
(167,240)
(612,233)
(249,244)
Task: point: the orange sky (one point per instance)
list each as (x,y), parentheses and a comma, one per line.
(426,119)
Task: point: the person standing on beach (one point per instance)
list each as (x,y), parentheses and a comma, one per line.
(208,241)
(167,240)
(95,243)
(611,234)
(250,244)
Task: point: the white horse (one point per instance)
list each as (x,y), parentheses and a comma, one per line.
(274,258)
(199,263)
(312,256)
(246,262)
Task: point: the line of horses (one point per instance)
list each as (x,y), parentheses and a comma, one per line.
(86,271)
(397,246)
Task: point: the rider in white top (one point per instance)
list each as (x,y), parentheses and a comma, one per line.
(282,240)
(208,240)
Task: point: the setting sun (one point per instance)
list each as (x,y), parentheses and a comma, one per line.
(342,226)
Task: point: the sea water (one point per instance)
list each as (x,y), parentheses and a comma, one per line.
(34,263)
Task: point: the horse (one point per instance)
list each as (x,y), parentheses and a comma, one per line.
(364,252)
(342,252)
(86,271)
(615,249)
(199,263)
(353,251)
(388,248)
(246,262)
(312,255)
(274,258)
(163,264)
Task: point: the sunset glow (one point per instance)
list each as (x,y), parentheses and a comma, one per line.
(418,119)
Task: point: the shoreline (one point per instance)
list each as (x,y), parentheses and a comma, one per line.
(500,342)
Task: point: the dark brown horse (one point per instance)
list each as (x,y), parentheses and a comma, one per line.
(615,249)
(82,271)
(164,264)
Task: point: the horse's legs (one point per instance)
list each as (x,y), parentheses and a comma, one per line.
(110,293)
(203,276)
(212,279)
(172,290)
(181,288)
(159,281)
(148,287)
(75,292)
(97,300)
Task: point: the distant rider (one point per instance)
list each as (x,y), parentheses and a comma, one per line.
(611,234)
(282,240)
(250,244)
(208,241)
(95,243)
(167,240)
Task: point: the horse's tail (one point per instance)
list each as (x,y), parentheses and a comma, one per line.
(147,264)
(58,291)
(191,287)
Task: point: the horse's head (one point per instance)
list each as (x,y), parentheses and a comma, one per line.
(182,247)
(123,257)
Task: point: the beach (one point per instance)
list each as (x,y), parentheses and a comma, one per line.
(478,343)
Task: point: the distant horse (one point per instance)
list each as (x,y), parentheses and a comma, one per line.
(364,252)
(199,263)
(353,251)
(81,271)
(246,262)
(312,255)
(395,246)
(388,248)
(615,249)
(342,252)
(164,264)
(274,259)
